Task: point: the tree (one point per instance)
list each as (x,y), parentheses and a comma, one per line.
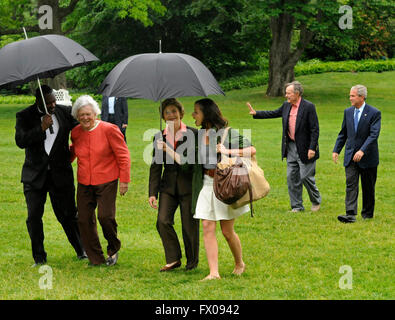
(25,13)
(292,25)
(225,35)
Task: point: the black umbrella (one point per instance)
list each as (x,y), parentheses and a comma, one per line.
(157,76)
(40,57)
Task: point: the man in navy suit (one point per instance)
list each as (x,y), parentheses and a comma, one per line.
(47,169)
(299,144)
(360,131)
(115,110)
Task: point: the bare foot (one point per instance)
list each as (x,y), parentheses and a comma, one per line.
(239,270)
(211,277)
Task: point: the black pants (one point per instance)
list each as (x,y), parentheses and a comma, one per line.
(63,205)
(368,182)
(190,228)
(111,119)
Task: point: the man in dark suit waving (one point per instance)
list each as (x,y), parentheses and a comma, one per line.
(47,169)
(299,144)
(359,132)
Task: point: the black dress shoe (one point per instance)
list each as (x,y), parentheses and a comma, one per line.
(82,256)
(190,266)
(112,260)
(39,263)
(90,264)
(348,218)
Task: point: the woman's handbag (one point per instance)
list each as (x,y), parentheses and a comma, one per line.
(231,180)
(259,185)
(239,180)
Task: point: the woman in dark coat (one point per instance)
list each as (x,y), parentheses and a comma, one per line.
(173,183)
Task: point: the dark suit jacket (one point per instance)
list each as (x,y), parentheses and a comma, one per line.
(306,128)
(120,111)
(176,179)
(29,136)
(364,139)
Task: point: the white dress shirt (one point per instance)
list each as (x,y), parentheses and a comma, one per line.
(111,103)
(50,137)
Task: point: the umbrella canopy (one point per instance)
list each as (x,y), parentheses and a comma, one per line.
(157,76)
(42,56)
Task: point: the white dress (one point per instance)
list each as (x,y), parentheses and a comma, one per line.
(208,207)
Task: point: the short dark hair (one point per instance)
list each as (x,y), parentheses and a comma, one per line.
(46,90)
(172,102)
(211,114)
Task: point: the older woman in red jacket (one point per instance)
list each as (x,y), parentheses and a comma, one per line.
(103,158)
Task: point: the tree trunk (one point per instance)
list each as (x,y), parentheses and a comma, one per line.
(59,82)
(282,60)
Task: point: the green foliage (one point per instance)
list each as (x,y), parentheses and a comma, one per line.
(90,13)
(88,77)
(17,14)
(371,36)
(17,99)
(227,36)
(260,78)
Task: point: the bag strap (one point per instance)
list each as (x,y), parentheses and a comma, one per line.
(251,199)
(219,156)
(224,135)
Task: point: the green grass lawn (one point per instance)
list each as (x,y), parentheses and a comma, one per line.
(288,256)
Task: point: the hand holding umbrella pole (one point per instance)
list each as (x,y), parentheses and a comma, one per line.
(42,95)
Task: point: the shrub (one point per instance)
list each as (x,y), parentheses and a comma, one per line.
(260,78)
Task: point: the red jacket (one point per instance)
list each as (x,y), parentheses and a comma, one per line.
(102,153)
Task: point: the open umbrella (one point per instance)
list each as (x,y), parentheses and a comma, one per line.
(157,76)
(43,56)
(40,57)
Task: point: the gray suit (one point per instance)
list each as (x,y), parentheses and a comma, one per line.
(300,169)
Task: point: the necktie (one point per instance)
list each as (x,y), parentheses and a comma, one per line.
(356,119)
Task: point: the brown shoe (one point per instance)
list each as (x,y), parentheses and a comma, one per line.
(171,266)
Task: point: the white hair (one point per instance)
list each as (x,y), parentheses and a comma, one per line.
(361,90)
(84,101)
(297,87)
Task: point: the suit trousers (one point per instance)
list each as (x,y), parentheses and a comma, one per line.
(63,205)
(103,197)
(190,228)
(111,119)
(300,174)
(368,182)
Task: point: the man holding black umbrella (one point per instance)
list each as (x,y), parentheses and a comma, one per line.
(47,169)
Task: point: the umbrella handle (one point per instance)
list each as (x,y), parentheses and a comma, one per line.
(38,80)
(44,104)
(160,116)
